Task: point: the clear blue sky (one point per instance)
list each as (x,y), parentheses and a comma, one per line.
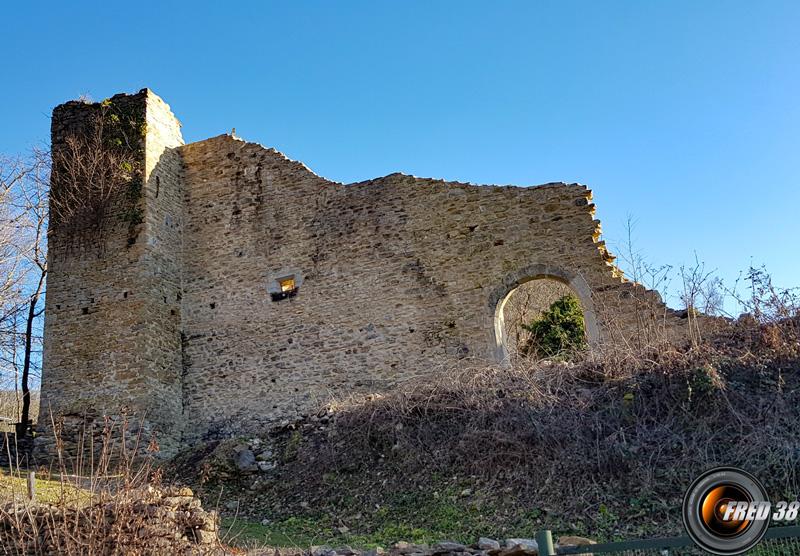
(685,115)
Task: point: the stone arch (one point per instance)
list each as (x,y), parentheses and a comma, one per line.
(500,295)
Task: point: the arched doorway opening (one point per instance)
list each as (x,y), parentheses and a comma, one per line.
(524,297)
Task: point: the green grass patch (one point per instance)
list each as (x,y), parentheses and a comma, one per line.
(444,509)
(422,516)
(50,491)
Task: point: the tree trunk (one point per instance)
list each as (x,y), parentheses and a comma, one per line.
(24,423)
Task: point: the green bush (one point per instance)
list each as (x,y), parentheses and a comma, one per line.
(558,331)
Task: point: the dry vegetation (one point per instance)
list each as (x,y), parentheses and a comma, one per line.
(96,171)
(114,502)
(604,445)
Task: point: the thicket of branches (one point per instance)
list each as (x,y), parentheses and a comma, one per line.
(111,503)
(96,172)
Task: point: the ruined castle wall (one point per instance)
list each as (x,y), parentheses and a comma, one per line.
(398,277)
(249,359)
(111,344)
(181,318)
(85,306)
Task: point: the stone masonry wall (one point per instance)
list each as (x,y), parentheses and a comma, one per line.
(396,278)
(162,273)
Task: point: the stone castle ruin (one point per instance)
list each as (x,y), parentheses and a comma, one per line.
(231,288)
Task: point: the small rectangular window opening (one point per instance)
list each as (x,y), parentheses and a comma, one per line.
(288,288)
(287,284)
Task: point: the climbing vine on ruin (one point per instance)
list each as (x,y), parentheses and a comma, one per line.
(98,173)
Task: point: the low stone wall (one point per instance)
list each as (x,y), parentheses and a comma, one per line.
(144,522)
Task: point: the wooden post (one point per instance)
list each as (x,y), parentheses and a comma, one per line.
(544,539)
(31,486)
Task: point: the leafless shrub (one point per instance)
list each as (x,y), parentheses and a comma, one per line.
(772,313)
(111,503)
(766,302)
(701,294)
(95,173)
(637,267)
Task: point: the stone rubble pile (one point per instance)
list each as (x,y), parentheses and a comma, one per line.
(147,521)
(258,455)
(254,456)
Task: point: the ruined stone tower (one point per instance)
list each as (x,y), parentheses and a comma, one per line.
(113,314)
(248,289)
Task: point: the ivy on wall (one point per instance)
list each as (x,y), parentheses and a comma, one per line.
(98,173)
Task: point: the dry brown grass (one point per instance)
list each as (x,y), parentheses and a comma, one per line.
(111,502)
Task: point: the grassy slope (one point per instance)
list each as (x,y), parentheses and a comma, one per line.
(427,508)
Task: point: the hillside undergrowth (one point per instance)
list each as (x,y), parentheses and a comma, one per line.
(604,446)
